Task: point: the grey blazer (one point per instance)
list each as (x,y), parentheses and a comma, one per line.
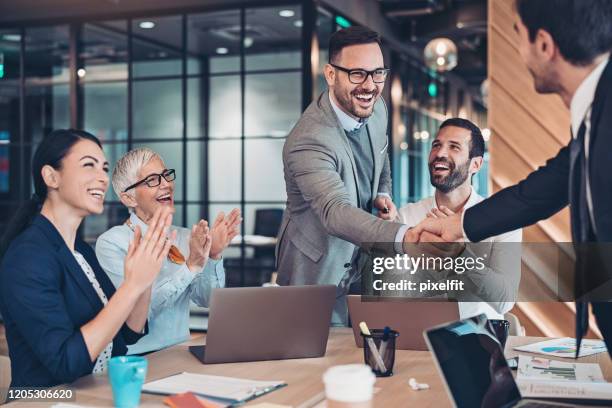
(323,224)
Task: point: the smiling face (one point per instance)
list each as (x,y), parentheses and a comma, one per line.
(149,199)
(82,180)
(356,100)
(449,159)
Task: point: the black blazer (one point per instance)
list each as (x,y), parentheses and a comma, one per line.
(555,185)
(45,298)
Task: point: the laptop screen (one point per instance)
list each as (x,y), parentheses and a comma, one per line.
(473,364)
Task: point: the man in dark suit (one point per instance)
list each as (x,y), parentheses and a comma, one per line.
(566,47)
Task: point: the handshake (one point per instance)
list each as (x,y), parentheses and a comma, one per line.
(439,234)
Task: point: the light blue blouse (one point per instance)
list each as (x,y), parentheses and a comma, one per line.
(174,287)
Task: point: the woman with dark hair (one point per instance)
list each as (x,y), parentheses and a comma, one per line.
(63,317)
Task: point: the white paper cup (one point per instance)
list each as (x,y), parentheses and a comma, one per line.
(349,386)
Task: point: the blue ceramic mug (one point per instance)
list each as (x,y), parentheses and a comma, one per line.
(127,374)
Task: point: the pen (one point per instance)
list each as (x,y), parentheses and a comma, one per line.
(379,361)
(383,343)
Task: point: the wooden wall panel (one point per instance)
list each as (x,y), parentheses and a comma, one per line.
(527,129)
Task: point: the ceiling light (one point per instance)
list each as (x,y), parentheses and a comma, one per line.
(441,54)
(298,23)
(146,25)
(11,37)
(404,146)
(401,129)
(286,13)
(486,134)
(248,41)
(416,135)
(424,135)
(222,50)
(81,72)
(441,48)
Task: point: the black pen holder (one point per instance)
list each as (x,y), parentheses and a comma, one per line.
(385,349)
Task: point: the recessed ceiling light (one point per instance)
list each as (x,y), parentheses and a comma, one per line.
(298,23)
(222,50)
(146,25)
(248,41)
(286,13)
(486,134)
(81,72)
(12,37)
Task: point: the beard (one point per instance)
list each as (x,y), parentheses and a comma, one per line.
(544,83)
(456,175)
(346,99)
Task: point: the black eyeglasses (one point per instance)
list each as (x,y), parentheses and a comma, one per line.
(359,76)
(154,180)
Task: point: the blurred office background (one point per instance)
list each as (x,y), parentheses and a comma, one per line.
(215,86)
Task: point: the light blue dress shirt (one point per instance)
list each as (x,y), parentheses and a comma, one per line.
(174,287)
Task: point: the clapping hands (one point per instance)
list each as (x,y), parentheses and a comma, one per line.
(200,244)
(146,253)
(224,229)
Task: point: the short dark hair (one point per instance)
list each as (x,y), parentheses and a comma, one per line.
(582,29)
(353,35)
(477,143)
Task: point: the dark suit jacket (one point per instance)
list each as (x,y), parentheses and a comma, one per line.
(45,298)
(554,185)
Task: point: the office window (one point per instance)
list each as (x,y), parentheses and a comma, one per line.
(105,110)
(157,46)
(225,110)
(264,170)
(104,51)
(213,42)
(157,107)
(225,170)
(273,103)
(10,41)
(273,38)
(46,70)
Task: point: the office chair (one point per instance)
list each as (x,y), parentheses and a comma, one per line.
(259,268)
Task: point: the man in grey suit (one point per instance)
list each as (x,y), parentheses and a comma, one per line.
(337,172)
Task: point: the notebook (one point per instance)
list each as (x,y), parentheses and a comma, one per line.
(234,390)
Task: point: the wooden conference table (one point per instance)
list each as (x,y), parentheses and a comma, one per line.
(303,376)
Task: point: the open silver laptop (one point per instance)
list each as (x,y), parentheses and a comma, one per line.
(267,323)
(474,369)
(408,318)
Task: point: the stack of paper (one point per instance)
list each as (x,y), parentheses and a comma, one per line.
(565,347)
(543,369)
(212,386)
(539,377)
(565,389)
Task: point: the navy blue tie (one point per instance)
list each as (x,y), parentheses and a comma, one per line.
(582,307)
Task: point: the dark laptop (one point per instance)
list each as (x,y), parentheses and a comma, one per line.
(267,323)
(474,369)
